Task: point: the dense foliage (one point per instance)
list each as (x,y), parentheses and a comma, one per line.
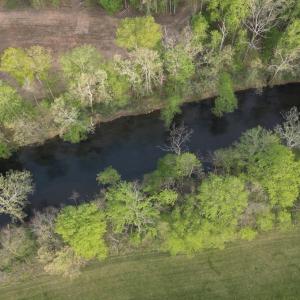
(179,207)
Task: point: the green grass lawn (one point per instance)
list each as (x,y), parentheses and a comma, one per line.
(267,268)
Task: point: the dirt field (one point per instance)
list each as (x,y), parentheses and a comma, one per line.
(64,28)
(58,29)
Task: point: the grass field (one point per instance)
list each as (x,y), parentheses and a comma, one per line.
(267,268)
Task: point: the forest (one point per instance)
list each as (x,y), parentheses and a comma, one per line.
(181,207)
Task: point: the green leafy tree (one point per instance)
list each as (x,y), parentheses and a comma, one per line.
(111,6)
(226,102)
(80,60)
(129,210)
(11,104)
(278,172)
(229,13)
(83,228)
(172,170)
(140,32)
(108,176)
(222,199)
(287,53)
(25,65)
(171,108)
(179,67)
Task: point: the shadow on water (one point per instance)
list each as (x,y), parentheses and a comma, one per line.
(130,145)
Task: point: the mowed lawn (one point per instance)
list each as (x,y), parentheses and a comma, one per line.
(267,268)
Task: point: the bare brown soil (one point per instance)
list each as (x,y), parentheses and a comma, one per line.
(64,28)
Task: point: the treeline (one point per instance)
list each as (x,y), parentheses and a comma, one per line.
(178,208)
(227,44)
(113,6)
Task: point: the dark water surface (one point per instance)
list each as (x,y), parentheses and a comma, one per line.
(131,145)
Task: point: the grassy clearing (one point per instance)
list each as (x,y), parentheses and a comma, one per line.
(267,268)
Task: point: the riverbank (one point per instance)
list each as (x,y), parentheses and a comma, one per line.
(266,268)
(156,104)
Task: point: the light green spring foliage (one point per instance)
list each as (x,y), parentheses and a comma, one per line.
(171,109)
(231,12)
(82,59)
(128,209)
(83,228)
(172,169)
(279,173)
(26,65)
(259,157)
(287,52)
(200,28)
(179,66)
(222,199)
(108,176)
(209,219)
(247,233)
(11,104)
(140,32)
(226,102)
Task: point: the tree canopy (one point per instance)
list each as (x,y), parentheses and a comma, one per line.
(83,228)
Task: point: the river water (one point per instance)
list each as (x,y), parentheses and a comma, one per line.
(65,173)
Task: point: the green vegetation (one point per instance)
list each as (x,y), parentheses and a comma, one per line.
(83,228)
(226,45)
(140,32)
(266,268)
(179,208)
(226,102)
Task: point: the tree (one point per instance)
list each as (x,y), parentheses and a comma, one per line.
(155,6)
(226,102)
(287,53)
(178,138)
(11,105)
(83,228)
(73,125)
(128,209)
(140,32)
(222,199)
(143,70)
(263,16)
(80,60)
(92,88)
(179,66)
(279,174)
(26,65)
(171,108)
(16,245)
(111,6)
(108,176)
(289,131)
(172,171)
(15,187)
(229,14)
